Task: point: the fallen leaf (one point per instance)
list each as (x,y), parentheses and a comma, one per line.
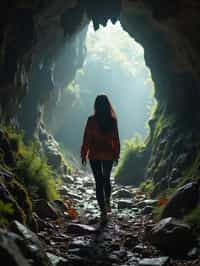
(162,202)
(72,212)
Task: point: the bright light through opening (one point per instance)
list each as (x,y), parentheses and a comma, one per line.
(119,70)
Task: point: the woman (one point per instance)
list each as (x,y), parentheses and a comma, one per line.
(101,146)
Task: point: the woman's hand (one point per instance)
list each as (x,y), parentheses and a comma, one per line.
(84,161)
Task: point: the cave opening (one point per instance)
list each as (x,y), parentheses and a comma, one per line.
(114,64)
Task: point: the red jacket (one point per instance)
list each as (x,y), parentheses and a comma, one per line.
(100,146)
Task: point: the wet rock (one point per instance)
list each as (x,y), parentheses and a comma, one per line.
(55,159)
(78,243)
(80,229)
(131,241)
(30,245)
(85,252)
(74,196)
(64,190)
(172,237)
(145,203)
(74,251)
(139,248)
(68,179)
(193,253)
(122,193)
(121,253)
(162,261)
(76,260)
(60,206)
(9,251)
(88,182)
(44,209)
(113,258)
(182,201)
(134,261)
(56,261)
(147,210)
(125,203)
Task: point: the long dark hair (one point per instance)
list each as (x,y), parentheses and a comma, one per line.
(104,113)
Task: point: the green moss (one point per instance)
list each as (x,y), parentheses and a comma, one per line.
(36,174)
(132,163)
(31,169)
(22,198)
(147,186)
(6,209)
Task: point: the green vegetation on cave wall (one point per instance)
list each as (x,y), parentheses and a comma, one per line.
(172,154)
(25,177)
(175,151)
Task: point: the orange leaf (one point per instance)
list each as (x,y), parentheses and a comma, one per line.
(73,214)
(162,202)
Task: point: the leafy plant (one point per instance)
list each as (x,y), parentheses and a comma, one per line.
(35,173)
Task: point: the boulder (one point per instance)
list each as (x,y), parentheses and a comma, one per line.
(161,261)
(9,251)
(122,193)
(68,179)
(56,260)
(182,201)
(45,209)
(172,237)
(30,245)
(147,202)
(80,229)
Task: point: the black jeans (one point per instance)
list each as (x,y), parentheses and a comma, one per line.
(101,170)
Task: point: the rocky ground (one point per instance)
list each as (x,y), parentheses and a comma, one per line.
(77,238)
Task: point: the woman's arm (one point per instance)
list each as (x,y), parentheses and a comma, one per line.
(86,141)
(116,141)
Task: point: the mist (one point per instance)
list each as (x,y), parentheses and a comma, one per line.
(115,65)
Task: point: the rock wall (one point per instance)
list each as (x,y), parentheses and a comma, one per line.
(42,46)
(170,53)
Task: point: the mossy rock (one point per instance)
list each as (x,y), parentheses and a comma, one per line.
(20,194)
(17,212)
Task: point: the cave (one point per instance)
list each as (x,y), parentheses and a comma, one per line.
(33,60)
(42,46)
